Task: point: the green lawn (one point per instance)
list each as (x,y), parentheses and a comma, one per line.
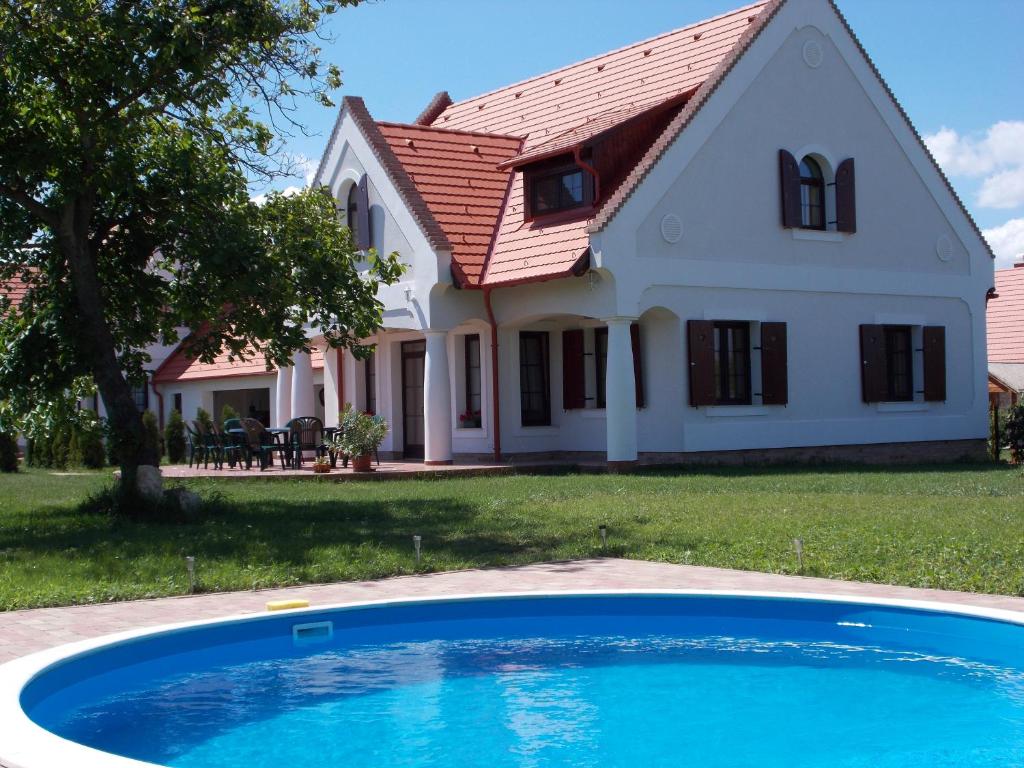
(956,527)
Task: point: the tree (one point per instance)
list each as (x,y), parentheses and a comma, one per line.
(129,133)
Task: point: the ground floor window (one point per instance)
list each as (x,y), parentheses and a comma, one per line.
(471,415)
(899,359)
(732,363)
(177,402)
(370,382)
(140,394)
(534,379)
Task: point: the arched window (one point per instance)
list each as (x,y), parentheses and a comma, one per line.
(352,212)
(812,194)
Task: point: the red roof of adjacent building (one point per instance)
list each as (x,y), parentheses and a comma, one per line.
(1005,317)
(457,175)
(180,367)
(14,289)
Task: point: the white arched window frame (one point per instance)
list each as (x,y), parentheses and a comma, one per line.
(822,158)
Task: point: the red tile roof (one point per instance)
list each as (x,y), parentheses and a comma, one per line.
(563,108)
(456,174)
(180,367)
(1005,317)
(14,290)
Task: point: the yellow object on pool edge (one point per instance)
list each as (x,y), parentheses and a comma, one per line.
(284,605)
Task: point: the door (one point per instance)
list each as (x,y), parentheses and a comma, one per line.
(413,366)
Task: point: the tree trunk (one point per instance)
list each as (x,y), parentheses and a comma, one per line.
(100,350)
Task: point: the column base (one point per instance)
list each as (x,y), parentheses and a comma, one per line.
(443,463)
(622,467)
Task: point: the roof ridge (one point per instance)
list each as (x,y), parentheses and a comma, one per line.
(438,129)
(760,4)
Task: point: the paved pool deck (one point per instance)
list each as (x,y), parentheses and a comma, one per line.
(23,632)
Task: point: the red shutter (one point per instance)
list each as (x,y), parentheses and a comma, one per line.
(934,337)
(573,393)
(363,215)
(774,364)
(700,338)
(789,176)
(873,364)
(846,198)
(638,364)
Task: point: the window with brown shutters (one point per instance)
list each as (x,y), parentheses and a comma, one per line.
(774,364)
(934,344)
(887,363)
(358,214)
(700,345)
(789,178)
(846,198)
(573,378)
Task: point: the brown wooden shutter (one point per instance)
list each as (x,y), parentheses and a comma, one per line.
(873,376)
(363,215)
(846,198)
(638,367)
(934,337)
(789,175)
(774,364)
(573,390)
(700,342)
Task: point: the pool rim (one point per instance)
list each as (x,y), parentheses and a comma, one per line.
(32,746)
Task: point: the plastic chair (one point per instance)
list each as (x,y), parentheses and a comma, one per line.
(305,433)
(262,445)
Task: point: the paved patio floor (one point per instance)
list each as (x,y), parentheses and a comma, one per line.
(22,632)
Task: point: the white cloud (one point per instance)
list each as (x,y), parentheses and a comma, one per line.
(1001,147)
(261,198)
(998,156)
(1003,190)
(1007,242)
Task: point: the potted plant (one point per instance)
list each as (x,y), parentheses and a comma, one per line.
(321,465)
(359,436)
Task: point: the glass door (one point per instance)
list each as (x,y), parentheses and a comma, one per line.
(413,367)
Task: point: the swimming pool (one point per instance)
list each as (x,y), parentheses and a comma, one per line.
(609,679)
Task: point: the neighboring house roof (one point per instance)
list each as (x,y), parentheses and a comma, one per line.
(179,367)
(1005,316)
(15,289)
(457,176)
(1010,376)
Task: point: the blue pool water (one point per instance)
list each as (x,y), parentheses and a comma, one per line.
(561,681)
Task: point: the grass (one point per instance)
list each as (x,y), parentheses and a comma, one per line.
(951,527)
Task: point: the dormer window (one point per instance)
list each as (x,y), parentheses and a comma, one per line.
(554,190)
(812,194)
(352,211)
(357,214)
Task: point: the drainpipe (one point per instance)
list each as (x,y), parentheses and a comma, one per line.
(576,153)
(159,400)
(495,389)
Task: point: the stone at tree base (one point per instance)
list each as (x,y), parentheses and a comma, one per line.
(186,501)
(150,483)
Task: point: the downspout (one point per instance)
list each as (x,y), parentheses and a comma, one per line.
(341,380)
(495,389)
(576,153)
(160,402)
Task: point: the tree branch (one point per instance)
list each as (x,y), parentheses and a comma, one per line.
(31,205)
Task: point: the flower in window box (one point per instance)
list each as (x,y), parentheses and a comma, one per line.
(469,419)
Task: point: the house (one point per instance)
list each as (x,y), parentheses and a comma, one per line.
(724,242)
(1006,337)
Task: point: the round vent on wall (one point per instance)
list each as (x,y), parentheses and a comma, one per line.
(671,228)
(944,248)
(813,54)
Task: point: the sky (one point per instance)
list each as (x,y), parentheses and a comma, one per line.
(957,66)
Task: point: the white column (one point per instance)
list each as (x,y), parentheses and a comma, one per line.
(332,385)
(283,398)
(437,403)
(302,385)
(620,392)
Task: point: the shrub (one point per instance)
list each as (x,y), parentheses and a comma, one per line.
(88,439)
(174,438)
(59,444)
(151,437)
(227,412)
(110,446)
(8,452)
(204,418)
(359,434)
(1015,432)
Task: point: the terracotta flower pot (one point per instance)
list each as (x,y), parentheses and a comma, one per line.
(362,463)
(321,469)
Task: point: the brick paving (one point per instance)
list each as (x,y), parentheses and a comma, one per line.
(386,470)
(22,632)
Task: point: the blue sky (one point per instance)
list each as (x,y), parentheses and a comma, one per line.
(956,66)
